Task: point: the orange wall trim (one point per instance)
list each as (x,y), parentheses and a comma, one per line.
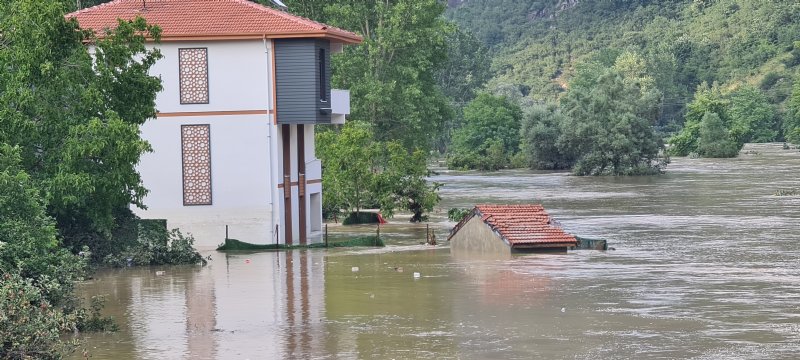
(274,83)
(213,113)
(295,183)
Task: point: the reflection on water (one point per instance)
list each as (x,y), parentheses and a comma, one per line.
(707,266)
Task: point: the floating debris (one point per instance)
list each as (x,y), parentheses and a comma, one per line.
(787,192)
(354,269)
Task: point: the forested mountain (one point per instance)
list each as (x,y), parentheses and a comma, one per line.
(536,44)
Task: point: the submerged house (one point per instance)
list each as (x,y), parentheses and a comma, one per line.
(244,86)
(509,229)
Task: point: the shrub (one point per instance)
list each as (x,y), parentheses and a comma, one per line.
(92,320)
(28,243)
(30,327)
(714,140)
(489,135)
(361,218)
(157,246)
(457,214)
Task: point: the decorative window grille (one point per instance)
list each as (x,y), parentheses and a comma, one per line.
(193,70)
(196,153)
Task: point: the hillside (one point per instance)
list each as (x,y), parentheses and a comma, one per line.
(536,44)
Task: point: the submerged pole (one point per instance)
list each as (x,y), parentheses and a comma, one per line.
(427,233)
(326,235)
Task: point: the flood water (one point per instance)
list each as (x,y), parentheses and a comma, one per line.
(706,266)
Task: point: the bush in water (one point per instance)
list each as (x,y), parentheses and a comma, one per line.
(30,326)
(457,214)
(157,246)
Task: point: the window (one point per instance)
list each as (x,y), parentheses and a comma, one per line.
(323,87)
(196,158)
(193,73)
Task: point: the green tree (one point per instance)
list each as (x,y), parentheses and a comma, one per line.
(401,182)
(463,74)
(714,140)
(392,74)
(746,114)
(541,131)
(37,276)
(348,158)
(792,127)
(76,116)
(490,123)
(28,243)
(707,99)
(605,127)
(466,68)
(752,116)
(360,171)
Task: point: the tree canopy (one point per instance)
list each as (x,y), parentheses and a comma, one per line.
(537,47)
(75,116)
(602,126)
(489,135)
(392,74)
(361,172)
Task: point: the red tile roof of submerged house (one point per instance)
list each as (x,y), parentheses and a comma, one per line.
(209,20)
(521,225)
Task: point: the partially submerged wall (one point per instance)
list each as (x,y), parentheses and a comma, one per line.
(477,237)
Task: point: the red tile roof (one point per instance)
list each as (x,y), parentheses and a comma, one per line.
(522,225)
(209,20)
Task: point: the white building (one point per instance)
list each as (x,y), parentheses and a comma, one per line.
(233,142)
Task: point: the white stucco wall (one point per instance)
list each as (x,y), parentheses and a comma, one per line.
(239,178)
(242,191)
(240,158)
(237,76)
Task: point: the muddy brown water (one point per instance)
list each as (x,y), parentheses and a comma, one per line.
(706,266)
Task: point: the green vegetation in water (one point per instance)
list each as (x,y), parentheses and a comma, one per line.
(719,122)
(361,218)
(602,125)
(360,171)
(364,241)
(92,320)
(489,134)
(458,214)
(787,192)
(154,245)
(68,153)
(30,324)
